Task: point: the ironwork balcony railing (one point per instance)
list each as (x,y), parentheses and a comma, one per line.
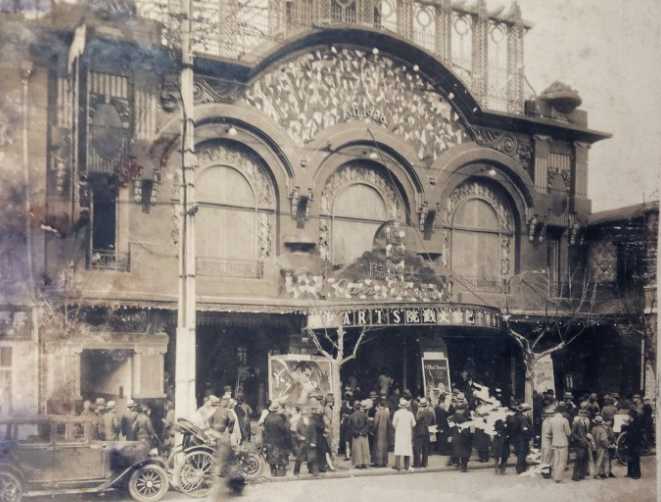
(229,267)
(483,47)
(104,259)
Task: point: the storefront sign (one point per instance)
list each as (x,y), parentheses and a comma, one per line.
(435,376)
(445,315)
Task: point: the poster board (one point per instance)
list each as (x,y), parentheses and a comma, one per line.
(435,375)
(544,375)
(293,378)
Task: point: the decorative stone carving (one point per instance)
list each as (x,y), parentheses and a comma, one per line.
(215,90)
(477,190)
(355,172)
(250,165)
(516,146)
(329,86)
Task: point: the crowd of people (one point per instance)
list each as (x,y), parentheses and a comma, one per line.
(591,428)
(384,421)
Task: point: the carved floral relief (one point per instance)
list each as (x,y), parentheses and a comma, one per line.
(329,86)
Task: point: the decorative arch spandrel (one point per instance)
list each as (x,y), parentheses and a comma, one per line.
(330,86)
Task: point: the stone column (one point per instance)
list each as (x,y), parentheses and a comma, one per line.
(480,54)
(405,19)
(443,30)
(542,151)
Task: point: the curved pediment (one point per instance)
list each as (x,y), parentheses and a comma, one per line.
(334,84)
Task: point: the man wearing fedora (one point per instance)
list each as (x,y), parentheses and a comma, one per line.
(276,440)
(462,436)
(424,419)
(601,437)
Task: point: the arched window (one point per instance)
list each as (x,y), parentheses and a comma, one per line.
(357,199)
(482,226)
(358,212)
(226,222)
(235,222)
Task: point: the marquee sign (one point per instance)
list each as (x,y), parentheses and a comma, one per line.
(423,315)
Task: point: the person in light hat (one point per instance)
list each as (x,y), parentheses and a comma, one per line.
(424,419)
(601,437)
(359,430)
(403,421)
(111,424)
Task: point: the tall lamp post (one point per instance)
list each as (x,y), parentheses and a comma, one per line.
(185,362)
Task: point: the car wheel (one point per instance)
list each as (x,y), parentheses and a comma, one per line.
(196,474)
(148,483)
(250,464)
(11,489)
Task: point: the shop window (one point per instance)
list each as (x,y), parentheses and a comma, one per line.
(5,380)
(483,244)
(358,212)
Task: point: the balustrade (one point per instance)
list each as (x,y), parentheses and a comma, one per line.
(483,47)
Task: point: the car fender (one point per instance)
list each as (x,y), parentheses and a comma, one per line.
(200,447)
(129,470)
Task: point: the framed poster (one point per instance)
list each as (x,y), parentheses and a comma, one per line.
(293,378)
(435,376)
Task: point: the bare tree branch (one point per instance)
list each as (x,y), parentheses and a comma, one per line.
(355,348)
(318,346)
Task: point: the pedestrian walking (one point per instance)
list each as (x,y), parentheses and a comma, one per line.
(442,414)
(520,430)
(359,426)
(601,438)
(381,434)
(634,443)
(345,434)
(309,428)
(560,434)
(276,441)
(501,446)
(424,419)
(111,423)
(546,437)
(461,436)
(581,444)
(403,422)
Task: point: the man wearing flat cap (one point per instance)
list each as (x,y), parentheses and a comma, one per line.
(520,433)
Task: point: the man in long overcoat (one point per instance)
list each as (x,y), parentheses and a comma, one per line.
(276,440)
(461,436)
(403,421)
(381,434)
(359,427)
(520,430)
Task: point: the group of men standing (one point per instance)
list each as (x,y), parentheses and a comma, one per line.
(108,425)
(587,429)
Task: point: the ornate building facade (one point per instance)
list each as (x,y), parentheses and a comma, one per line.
(358,164)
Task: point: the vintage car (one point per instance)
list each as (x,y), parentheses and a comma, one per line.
(59,455)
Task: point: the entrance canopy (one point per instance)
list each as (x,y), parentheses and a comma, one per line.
(405,314)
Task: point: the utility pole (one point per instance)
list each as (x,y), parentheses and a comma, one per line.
(186,343)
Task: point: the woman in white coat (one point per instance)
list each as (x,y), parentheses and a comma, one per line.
(403,422)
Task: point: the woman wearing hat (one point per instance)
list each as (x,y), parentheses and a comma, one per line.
(403,422)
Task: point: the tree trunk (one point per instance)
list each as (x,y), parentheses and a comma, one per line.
(530,379)
(337,395)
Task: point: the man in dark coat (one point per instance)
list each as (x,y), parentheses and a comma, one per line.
(309,434)
(442,424)
(581,443)
(359,427)
(501,446)
(634,443)
(276,440)
(520,430)
(424,419)
(461,436)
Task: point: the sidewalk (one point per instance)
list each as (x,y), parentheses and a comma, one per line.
(344,469)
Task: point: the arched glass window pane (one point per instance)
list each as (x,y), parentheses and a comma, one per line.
(476,255)
(358,213)
(224,185)
(477,214)
(226,221)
